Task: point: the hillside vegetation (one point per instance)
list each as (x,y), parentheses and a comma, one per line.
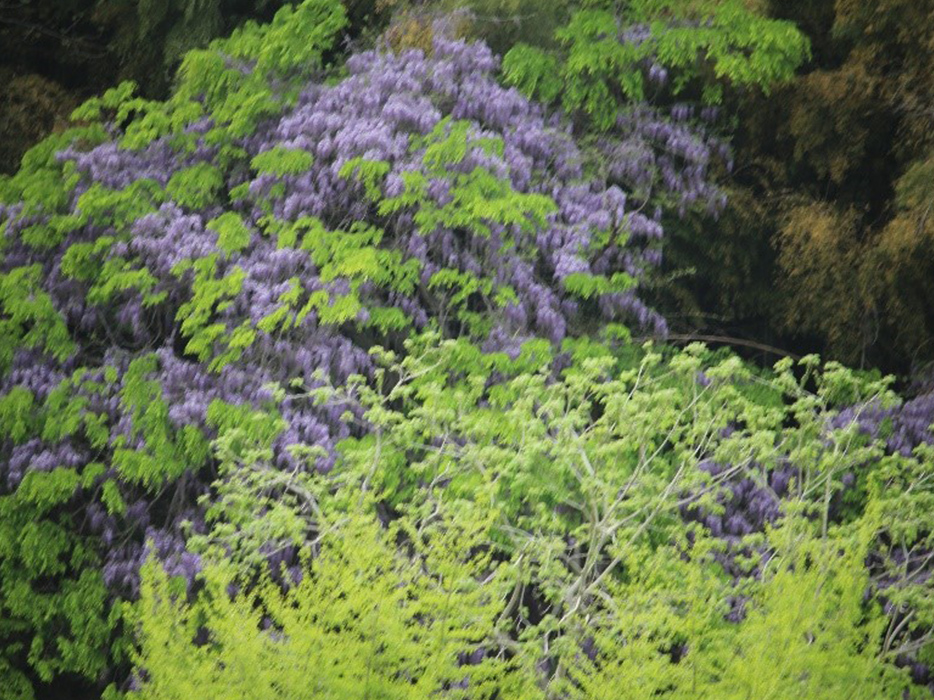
(354,368)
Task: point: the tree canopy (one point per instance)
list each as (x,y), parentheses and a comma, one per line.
(342,372)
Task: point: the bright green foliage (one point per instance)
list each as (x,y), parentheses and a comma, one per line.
(540,432)
(534,71)
(290,46)
(44,183)
(810,615)
(195,187)
(572,485)
(254,505)
(369,173)
(120,208)
(208,294)
(742,46)
(75,616)
(232,233)
(477,199)
(53,602)
(68,404)
(366,619)
(167,452)
(484,501)
(294,41)
(16,408)
(587,286)
(282,161)
(210,81)
(114,275)
(28,318)
(600,66)
(806,634)
(353,255)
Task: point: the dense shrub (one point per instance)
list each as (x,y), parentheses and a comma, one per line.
(260,228)
(343,348)
(556,540)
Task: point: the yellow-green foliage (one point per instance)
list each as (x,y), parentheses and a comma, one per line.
(493,506)
(367,619)
(805,634)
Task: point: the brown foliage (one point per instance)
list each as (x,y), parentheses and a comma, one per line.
(905,248)
(831,119)
(827,287)
(30,107)
(841,160)
(411,31)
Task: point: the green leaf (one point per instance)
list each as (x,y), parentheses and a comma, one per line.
(233,235)
(532,70)
(370,173)
(16,413)
(196,186)
(281,161)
